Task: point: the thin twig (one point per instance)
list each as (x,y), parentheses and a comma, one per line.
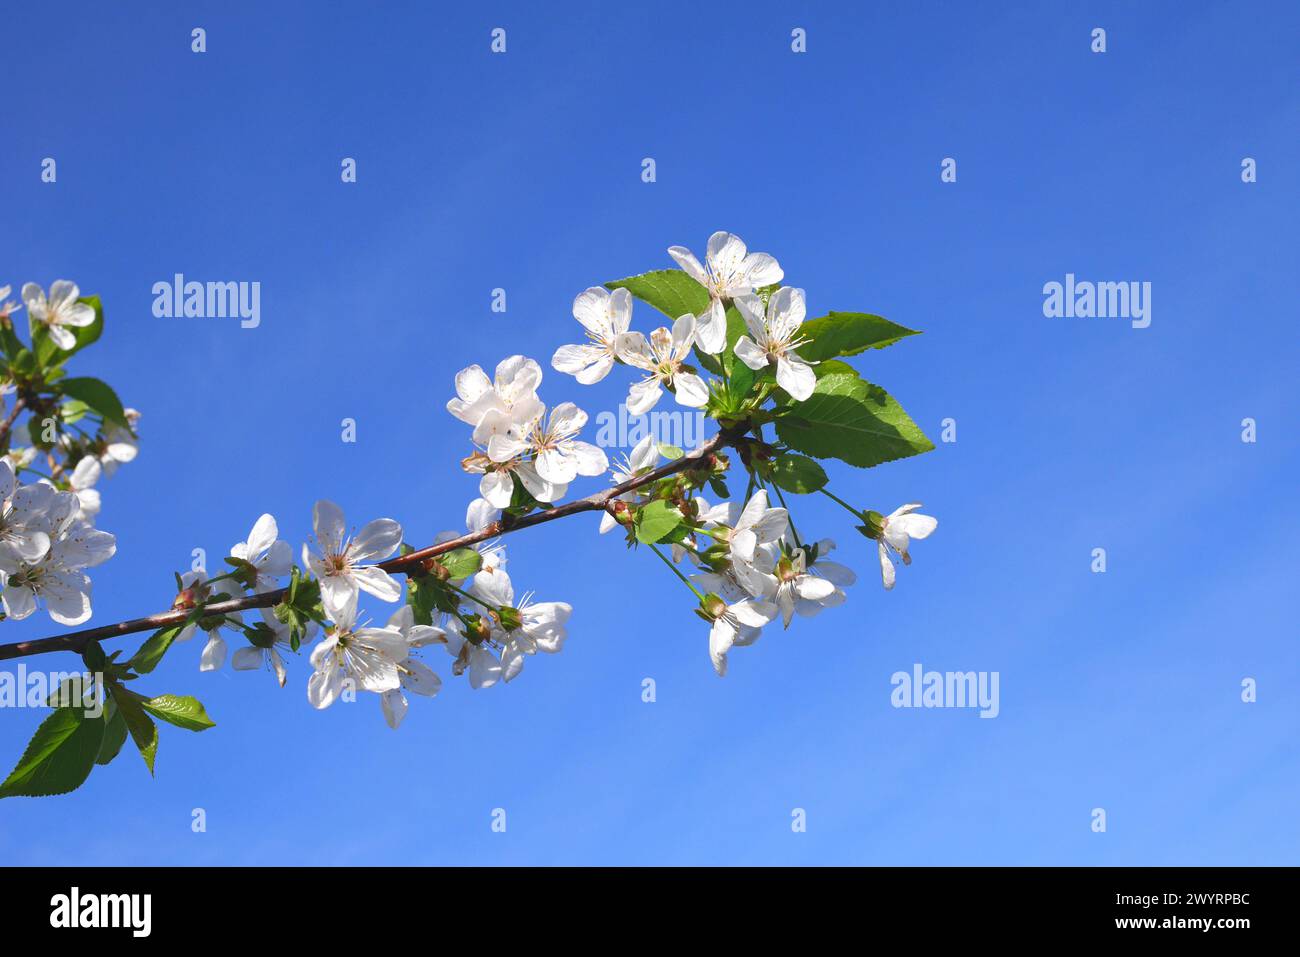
(76,640)
(12,417)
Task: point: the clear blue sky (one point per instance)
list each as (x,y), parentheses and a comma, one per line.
(522,171)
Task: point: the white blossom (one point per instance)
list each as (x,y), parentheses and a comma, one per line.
(895,532)
(368,657)
(558,456)
(60,313)
(663,358)
(730,270)
(252,657)
(605,316)
(269,555)
(338,566)
(775,337)
(58,579)
(415,676)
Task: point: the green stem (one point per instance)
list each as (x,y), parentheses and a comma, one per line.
(473,598)
(835,498)
(676,571)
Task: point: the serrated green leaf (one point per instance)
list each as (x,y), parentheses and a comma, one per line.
(99,395)
(59,756)
(155,646)
(655,520)
(181,710)
(847,334)
(670,291)
(850,419)
(797,473)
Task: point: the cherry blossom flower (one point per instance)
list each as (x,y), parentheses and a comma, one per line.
(60,313)
(269,556)
(796,587)
(663,357)
(252,657)
(369,657)
(513,391)
(58,578)
(474,657)
(498,488)
(731,271)
(736,623)
(524,628)
(22,513)
(775,337)
(341,576)
(605,315)
(895,531)
(415,676)
(7,306)
(558,457)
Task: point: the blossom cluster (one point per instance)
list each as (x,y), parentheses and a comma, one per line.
(483,628)
(47,536)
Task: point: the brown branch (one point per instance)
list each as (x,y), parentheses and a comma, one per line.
(76,640)
(12,417)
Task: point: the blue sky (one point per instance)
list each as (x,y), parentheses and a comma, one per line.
(522,171)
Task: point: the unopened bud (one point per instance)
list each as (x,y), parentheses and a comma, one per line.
(187,598)
(623,515)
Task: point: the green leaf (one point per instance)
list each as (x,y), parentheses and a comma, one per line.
(59,757)
(180,710)
(798,473)
(99,396)
(461,563)
(847,334)
(656,520)
(141,727)
(670,291)
(155,646)
(671,452)
(850,419)
(114,735)
(739,382)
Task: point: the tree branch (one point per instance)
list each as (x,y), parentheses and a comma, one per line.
(76,640)
(12,417)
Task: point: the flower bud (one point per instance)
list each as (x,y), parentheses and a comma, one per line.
(187,598)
